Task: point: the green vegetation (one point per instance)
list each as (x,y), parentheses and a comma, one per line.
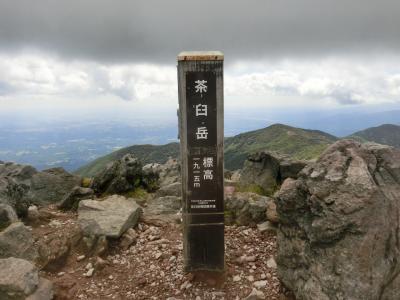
(86,181)
(387,134)
(138,193)
(296,142)
(146,153)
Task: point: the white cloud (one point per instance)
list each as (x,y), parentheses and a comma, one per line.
(334,81)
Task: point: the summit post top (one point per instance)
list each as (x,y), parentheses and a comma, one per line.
(200,55)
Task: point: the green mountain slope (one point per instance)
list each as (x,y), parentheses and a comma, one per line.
(146,153)
(296,142)
(387,134)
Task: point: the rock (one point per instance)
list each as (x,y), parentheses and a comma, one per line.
(236,278)
(17,241)
(260,284)
(168,205)
(100,263)
(246,208)
(267,171)
(173,189)
(55,249)
(7,216)
(71,200)
(80,257)
(272,215)
(261,169)
(89,273)
(128,238)
(119,177)
(43,292)
(33,213)
(110,217)
(95,245)
(18,278)
(150,178)
(50,186)
(271,263)
(22,185)
(255,295)
(168,173)
(266,226)
(339,225)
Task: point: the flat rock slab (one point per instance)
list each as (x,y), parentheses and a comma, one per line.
(18,278)
(110,217)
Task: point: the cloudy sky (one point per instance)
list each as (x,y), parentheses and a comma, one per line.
(112,58)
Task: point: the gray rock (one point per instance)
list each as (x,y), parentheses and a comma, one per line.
(55,249)
(246,208)
(173,189)
(119,177)
(44,291)
(168,173)
(71,200)
(339,225)
(18,278)
(51,186)
(255,295)
(17,241)
(266,226)
(163,205)
(272,215)
(22,185)
(110,217)
(268,171)
(33,213)
(7,216)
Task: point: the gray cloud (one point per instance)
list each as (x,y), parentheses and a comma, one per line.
(155,31)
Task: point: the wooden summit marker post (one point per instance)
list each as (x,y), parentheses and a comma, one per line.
(201,131)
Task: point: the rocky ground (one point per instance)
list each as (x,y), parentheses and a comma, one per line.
(152,267)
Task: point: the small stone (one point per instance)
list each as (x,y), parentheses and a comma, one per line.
(89,273)
(271,263)
(111,277)
(260,284)
(250,278)
(33,213)
(60,274)
(263,276)
(89,266)
(236,278)
(80,257)
(255,295)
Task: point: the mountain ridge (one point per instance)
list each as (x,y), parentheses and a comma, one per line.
(284,139)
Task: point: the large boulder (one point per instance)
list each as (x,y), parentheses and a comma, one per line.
(71,200)
(109,217)
(167,205)
(267,171)
(22,185)
(167,173)
(7,216)
(17,241)
(173,189)
(51,186)
(339,225)
(246,208)
(19,280)
(119,177)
